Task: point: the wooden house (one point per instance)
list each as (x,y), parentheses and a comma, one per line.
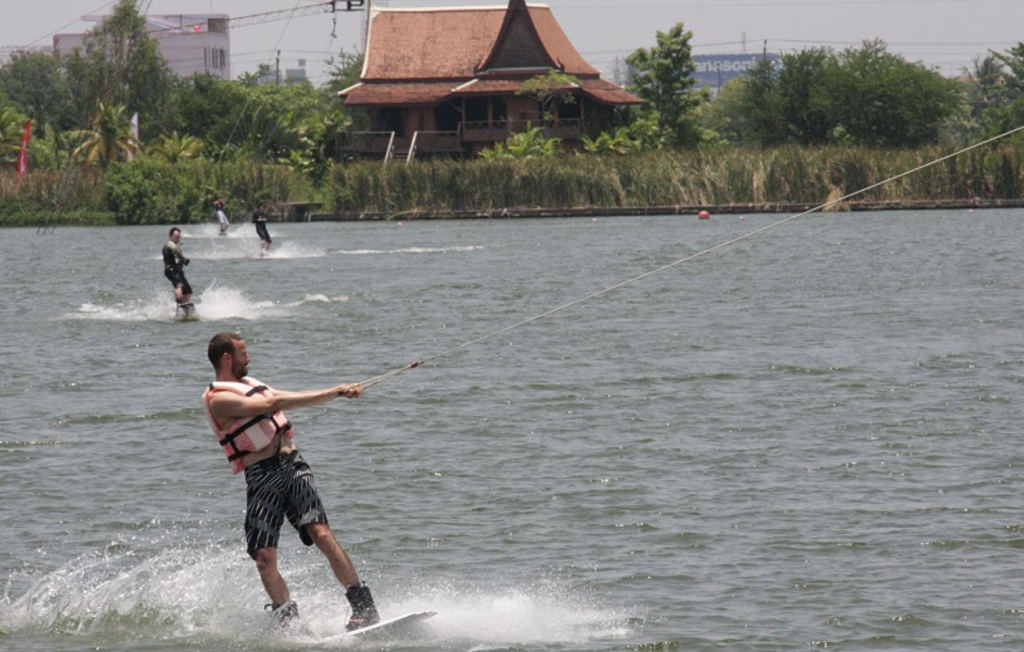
(450,81)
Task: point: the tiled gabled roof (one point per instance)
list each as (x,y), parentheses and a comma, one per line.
(397,93)
(426,56)
(608,93)
(453,43)
(554,41)
(430,93)
(598,89)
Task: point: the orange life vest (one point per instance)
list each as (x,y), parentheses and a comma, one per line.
(248,434)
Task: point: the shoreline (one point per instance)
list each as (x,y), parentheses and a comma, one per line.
(44,224)
(726,209)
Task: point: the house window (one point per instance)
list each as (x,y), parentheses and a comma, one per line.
(498,110)
(447,117)
(389,119)
(476,110)
(567,111)
(214,58)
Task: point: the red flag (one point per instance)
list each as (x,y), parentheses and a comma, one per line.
(23,152)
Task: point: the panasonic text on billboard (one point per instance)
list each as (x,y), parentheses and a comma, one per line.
(714,70)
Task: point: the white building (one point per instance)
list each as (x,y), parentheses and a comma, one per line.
(191,43)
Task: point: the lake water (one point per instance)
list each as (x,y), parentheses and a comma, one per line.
(806,440)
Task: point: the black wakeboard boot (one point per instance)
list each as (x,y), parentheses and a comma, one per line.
(364,611)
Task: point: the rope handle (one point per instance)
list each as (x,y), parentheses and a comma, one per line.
(394,372)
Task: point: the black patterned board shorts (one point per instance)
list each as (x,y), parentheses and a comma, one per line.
(261,231)
(278,487)
(177,278)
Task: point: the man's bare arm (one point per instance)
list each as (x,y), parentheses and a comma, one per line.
(228,405)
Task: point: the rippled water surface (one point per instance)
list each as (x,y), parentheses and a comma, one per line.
(809,439)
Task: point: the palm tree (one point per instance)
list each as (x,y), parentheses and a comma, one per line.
(12,126)
(989,81)
(531,143)
(176,148)
(50,149)
(109,137)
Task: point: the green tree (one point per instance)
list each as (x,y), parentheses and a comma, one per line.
(551,89)
(531,143)
(885,101)
(12,126)
(866,95)
(760,110)
(120,65)
(204,107)
(789,100)
(1013,77)
(1002,118)
(640,135)
(617,141)
(665,80)
(36,84)
(263,71)
(108,139)
(320,137)
(175,148)
(988,85)
(725,115)
(345,70)
(268,124)
(49,148)
(805,88)
(263,122)
(996,92)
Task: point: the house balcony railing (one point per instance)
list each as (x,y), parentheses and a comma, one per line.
(426,142)
(371,142)
(382,143)
(438,142)
(495,130)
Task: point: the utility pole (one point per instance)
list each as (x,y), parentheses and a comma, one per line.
(277,69)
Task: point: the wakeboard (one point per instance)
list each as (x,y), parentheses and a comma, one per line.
(404,625)
(186,312)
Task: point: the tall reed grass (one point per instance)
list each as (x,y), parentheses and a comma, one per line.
(75,196)
(721,177)
(148,191)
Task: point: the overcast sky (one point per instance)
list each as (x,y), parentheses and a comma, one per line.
(945,34)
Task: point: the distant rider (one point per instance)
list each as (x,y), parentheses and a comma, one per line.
(259,218)
(222,217)
(174,260)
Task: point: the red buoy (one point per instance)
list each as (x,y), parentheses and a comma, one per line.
(704,215)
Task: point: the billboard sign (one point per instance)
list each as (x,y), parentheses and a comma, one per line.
(714,70)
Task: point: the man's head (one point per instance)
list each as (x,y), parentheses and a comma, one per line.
(227,352)
(174,234)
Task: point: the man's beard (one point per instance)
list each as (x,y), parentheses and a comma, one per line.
(240,371)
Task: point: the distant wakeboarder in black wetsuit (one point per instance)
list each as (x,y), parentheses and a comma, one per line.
(259,218)
(174,262)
